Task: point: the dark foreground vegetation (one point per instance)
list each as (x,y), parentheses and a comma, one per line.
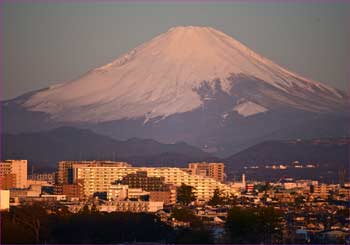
(40,224)
(32,224)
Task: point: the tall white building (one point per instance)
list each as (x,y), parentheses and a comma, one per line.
(17,168)
(100,178)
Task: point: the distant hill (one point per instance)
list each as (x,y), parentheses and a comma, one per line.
(45,149)
(322,151)
(329,156)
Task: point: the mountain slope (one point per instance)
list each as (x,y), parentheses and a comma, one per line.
(192,84)
(162,77)
(47,148)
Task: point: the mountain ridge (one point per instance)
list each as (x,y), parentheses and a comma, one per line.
(44,149)
(327,156)
(66,143)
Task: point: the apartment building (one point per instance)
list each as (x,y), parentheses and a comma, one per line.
(100,178)
(213,170)
(7,181)
(65,168)
(158,190)
(18,170)
(323,190)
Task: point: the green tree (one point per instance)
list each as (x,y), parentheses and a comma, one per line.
(94,209)
(299,200)
(31,218)
(100,228)
(85,210)
(233,200)
(253,225)
(185,194)
(197,233)
(32,224)
(186,215)
(60,210)
(263,187)
(217,198)
(14,232)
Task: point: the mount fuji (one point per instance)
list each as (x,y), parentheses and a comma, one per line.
(192,84)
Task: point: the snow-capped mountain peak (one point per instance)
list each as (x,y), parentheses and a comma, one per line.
(162,77)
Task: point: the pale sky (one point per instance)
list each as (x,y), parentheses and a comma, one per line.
(46,43)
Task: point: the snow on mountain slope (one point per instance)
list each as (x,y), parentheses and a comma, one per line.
(248,108)
(161,78)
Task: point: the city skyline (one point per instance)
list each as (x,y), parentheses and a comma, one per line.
(181,199)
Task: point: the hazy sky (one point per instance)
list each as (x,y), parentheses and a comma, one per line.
(45,43)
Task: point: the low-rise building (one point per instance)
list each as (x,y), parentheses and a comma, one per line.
(73,190)
(289,185)
(132,206)
(136,194)
(4,200)
(32,191)
(117,192)
(168,197)
(55,197)
(284,197)
(47,177)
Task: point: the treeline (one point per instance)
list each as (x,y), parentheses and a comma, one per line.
(33,224)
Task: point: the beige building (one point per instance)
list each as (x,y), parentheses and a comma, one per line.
(323,190)
(100,178)
(65,168)
(17,168)
(213,170)
(32,191)
(117,192)
(4,200)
